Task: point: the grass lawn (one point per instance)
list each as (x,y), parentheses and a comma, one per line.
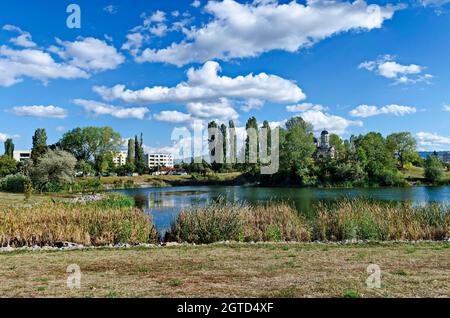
(417,173)
(8,199)
(179,180)
(269,270)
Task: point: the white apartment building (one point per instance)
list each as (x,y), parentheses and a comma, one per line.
(159,160)
(120,158)
(22,155)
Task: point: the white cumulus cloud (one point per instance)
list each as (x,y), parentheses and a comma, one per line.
(97,108)
(40,111)
(387,67)
(221,110)
(304,107)
(332,123)
(240,30)
(89,54)
(365,111)
(432,141)
(36,64)
(67,60)
(172,116)
(24,38)
(204,84)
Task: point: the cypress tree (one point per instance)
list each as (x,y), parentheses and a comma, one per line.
(9,148)
(39,144)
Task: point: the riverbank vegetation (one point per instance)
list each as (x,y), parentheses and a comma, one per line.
(342,220)
(239,222)
(232,270)
(112,220)
(365,160)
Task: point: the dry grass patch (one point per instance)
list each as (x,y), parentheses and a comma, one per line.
(240,270)
(49,223)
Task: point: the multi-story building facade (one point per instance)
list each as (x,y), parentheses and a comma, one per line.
(22,155)
(154,160)
(120,158)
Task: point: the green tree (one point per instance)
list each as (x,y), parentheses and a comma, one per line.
(9,148)
(433,169)
(91,144)
(252,123)
(39,144)
(223,130)
(339,145)
(233,142)
(84,167)
(131,151)
(266,126)
(7,166)
(211,142)
(297,148)
(376,159)
(403,145)
(139,160)
(53,170)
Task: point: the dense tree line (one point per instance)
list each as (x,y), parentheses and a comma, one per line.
(363,160)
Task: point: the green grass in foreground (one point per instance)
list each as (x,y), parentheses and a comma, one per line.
(417,173)
(236,270)
(18,199)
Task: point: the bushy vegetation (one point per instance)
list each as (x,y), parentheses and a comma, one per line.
(342,220)
(15,183)
(239,222)
(87,224)
(373,220)
(433,169)
(115,200)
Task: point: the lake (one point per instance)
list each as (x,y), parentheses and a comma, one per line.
(164,204)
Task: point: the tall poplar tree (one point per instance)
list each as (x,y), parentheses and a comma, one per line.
(39,144)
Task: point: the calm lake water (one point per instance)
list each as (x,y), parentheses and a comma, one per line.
(164,204)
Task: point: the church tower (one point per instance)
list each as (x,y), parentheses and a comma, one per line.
(324,139)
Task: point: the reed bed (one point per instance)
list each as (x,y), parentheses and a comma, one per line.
(238,222)
(374,220)
(343,220)
(52,222)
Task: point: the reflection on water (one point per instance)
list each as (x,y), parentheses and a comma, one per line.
(164,204)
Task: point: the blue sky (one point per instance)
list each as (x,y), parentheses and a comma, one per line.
(350,67)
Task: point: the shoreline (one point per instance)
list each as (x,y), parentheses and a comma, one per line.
(69,246)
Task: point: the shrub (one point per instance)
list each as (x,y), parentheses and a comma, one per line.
(7,166)
(239,222)
(53,171)
(129,184)
(88,185)
(433,169)
(371,220)
(274,222)
(217,222)
(14,183)
(115,200)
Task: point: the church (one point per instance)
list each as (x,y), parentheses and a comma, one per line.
(324,150)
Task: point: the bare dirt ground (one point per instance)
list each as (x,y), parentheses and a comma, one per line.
(235,270)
